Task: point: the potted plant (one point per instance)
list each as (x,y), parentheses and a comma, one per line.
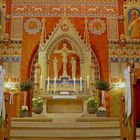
(1,121)
(102,86)
(24,111)
(37,103)
(92,105)
(101,112)
(25,86)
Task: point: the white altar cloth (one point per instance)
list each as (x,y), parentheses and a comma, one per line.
(64,96)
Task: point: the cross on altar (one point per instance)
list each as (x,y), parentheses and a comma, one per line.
(64,51)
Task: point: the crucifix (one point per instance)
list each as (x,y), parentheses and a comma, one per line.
(64,51)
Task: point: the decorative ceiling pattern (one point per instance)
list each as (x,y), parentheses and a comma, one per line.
(71,8)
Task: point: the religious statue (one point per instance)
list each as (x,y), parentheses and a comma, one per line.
(64,52)
(92,73)
(64,59)
(73,63)
(37,74)
(55,67)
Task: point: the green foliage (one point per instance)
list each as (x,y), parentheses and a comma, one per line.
(25,86)
(92,102)
(102,85)
(1,122)
(37,102)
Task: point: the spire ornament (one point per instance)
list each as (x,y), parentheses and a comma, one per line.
(86,34)
(43,34)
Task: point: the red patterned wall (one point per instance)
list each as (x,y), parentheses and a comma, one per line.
(98,43)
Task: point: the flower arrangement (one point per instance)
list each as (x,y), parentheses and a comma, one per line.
(92,102)
(24,108)
(37,102)
(25,86)
(101,112)
(92,105)
(102,109)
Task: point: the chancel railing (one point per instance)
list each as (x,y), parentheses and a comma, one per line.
(65,85)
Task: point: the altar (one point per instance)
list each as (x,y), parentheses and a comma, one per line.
(65,70)
(65,103)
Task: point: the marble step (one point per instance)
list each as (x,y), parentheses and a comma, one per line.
(81,128)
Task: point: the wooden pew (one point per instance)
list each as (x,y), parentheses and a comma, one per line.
(5,129)
(128,130)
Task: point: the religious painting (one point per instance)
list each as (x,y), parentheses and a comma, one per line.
(134,23)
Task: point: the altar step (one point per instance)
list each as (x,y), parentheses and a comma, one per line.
(83,128)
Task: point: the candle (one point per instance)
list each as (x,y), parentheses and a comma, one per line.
(54,84)
(74,83)
(48,84)
(41,81)
(80,83)
(25,98)
(88,82)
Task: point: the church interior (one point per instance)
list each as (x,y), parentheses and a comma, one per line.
(60,55)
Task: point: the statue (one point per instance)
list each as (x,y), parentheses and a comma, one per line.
(37,74)
(55,67)
(92,73)
(64,60)
(73,63)
(64,51)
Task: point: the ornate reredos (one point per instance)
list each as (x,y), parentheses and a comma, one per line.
(65,32)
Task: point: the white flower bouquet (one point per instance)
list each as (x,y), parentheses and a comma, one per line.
(37,102)
(101,112)
(102,109)
(24,108)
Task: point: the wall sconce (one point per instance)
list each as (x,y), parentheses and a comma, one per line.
(121,86)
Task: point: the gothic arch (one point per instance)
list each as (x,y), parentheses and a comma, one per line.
(77,46)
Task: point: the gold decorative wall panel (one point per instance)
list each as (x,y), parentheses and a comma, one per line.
(17,28)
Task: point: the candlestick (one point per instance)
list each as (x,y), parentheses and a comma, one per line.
(88,82)
(48,84)
(41,81)
(74,84)
(25,98)
(54,84)
(80,83)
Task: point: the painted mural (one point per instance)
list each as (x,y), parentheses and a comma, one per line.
(134,23)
